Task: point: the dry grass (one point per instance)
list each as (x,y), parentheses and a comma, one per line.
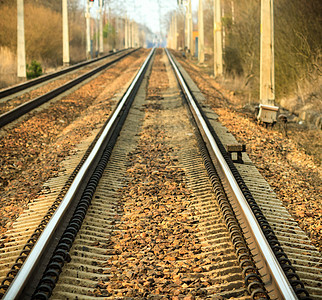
(43,37)
(8,67)
(43,31)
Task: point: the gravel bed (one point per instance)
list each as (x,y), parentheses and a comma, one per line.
(32,149)
(156,252)
(9,104)
(294,175)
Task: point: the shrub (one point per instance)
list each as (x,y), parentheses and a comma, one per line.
(34,70)
(233,63)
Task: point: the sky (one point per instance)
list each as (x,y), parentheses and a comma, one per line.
(146,11)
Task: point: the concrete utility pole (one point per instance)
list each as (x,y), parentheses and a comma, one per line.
(117,32)
(267,109)
(136,35)
(169,38)
(161,36)
(218,63)
(233,12)
(126,35)
(223,31)
(175,26)
(201,51)
(187,23)
(133,38)
(66,59)
(267,76)
(144,44)
(21,49)
(96,34)
(170,34)
(130,34)
(88,32)
(191,44)
(122,33)
(186,28)
(93,30)
(101,43)
(173,32)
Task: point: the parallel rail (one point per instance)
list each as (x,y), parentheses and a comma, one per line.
(30,83)
(26,273)
(275,280)
(19,111)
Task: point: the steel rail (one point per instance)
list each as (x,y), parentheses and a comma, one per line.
(15,289)
(276,272)
(30,105)
(30,83)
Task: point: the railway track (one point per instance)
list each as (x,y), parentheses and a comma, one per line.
(19,100)
(165,213)
(9,92)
